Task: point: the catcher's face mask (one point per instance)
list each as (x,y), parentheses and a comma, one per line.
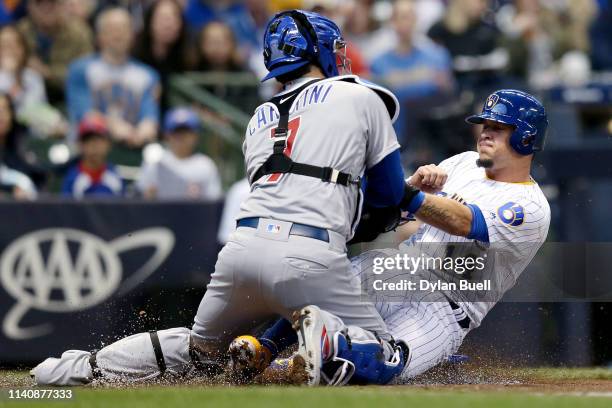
(342,61)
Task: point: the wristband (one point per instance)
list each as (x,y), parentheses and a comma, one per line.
(412,200)
(416,202)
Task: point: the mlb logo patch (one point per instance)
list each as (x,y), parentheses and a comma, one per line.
(273,228)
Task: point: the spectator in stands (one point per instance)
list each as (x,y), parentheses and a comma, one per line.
(181,173)
(136,9)
(163,43)
(218,49)
(362,29)
(81,9)
(601,32)
(248,23)
(92,175)
(333,9)
(417,68)
(26,87)
(125,91)
(12,177)
(474,44)
(219,53)
(198,13)
(54,42)
(536,36)
(366,24)
(23,84)
(11,11)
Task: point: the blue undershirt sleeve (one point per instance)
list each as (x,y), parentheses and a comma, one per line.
(478,230)
(385,186)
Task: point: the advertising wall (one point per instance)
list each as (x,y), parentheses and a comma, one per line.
(69,271)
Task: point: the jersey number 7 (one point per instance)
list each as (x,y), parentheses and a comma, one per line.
(293,126)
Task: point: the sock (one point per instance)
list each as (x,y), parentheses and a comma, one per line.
(278,337)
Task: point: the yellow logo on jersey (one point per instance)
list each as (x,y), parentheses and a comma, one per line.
(511,213)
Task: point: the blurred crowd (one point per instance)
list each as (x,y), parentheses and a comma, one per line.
(95,74)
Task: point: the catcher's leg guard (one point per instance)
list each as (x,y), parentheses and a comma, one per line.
(362,362)
(140,357)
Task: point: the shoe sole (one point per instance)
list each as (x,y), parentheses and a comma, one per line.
(309,328)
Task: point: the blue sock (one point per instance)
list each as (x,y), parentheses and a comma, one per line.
(278,337)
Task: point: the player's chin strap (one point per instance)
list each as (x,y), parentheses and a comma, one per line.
(278,162)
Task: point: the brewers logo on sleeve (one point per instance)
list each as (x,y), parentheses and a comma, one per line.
(511,214)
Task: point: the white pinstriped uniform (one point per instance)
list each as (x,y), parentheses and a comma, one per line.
(517,217)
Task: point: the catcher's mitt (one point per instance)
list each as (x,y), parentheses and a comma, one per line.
(378,220)
(375,221)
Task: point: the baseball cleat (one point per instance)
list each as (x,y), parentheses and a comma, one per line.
(247,357)
(313,342)
(284,371)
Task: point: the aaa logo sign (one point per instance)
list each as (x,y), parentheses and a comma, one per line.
(66,270)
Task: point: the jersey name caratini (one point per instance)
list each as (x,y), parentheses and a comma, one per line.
(517,217)
(332,123)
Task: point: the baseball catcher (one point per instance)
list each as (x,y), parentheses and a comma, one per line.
(306,152)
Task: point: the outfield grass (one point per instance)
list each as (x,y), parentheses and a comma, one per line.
(445,396)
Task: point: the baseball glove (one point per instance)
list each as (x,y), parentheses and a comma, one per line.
(375,221)
(378,220)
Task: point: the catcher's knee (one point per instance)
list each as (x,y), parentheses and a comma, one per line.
(363,362)
(208,357)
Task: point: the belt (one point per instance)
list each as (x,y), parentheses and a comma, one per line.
(463,323)
(301,230)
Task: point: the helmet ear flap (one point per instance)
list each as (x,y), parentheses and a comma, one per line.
(528,140)
(522,141)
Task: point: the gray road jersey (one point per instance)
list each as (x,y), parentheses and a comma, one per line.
(331,123)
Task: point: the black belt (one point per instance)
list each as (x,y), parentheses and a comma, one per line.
(465,322)
(301,230)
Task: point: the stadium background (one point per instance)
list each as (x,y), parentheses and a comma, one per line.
(442,58)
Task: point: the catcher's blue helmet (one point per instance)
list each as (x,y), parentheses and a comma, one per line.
(521,110)
(295,38)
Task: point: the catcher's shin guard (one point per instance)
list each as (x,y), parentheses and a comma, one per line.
(140,357)
(362,362)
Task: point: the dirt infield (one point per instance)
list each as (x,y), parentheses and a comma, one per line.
(470,376)
(450,377)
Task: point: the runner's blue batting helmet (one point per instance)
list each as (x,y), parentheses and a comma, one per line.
(296,38)
(521,110)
